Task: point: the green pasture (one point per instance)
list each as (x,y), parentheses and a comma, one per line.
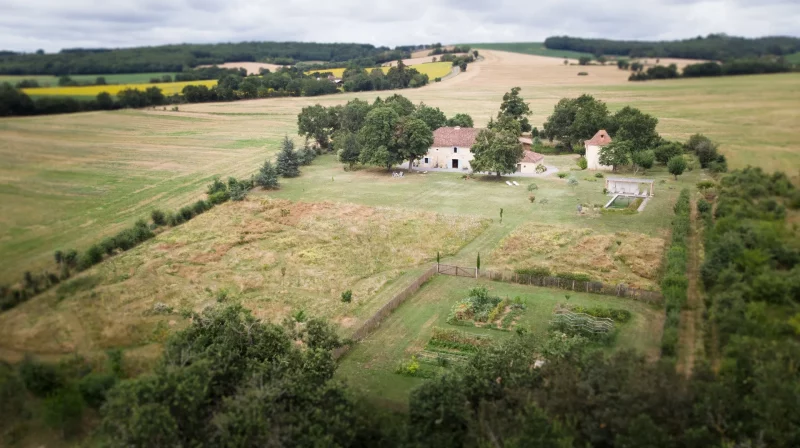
(114,78)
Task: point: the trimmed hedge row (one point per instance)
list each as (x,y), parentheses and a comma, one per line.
(675,284)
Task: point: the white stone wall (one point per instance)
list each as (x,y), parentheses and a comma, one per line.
(442,157)
(593,159)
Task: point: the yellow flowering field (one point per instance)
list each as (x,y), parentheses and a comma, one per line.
(432,69)
(169,88)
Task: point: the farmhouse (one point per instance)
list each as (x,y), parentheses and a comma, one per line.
(452,150)
(593,145)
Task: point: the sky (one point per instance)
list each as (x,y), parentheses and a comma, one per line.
(28,25)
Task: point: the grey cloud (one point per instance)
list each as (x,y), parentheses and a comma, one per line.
(53,24)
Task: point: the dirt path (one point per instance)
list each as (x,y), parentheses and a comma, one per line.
(690,342)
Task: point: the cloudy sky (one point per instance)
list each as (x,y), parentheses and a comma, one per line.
(27,25)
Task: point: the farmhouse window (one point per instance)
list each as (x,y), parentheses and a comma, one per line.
(455,150)
(425,160)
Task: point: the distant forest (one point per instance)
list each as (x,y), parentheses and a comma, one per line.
(177,58)
(719,47)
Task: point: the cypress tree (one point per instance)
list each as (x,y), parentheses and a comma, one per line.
(267,176)
(288,164)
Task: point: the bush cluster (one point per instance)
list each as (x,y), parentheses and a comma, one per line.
(675,284)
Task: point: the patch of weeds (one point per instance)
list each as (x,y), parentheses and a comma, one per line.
(77,285)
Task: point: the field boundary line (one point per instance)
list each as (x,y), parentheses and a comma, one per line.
(373,322)
(643,295)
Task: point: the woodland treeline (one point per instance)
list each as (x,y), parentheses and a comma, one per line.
(718,47)
(177,58)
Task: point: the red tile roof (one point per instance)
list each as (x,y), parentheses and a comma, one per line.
(600,139)
(457,137)
(532,157)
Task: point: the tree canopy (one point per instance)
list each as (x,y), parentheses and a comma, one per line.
(496,151)
(515,107)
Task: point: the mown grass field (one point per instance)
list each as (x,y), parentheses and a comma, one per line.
(167,88)
(121,78)
(370,365)
(432,69)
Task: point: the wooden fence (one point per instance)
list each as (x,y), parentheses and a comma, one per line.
(457,271)
(372,323)
(560,283)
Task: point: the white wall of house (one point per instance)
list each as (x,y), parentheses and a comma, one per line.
(593,159)
(527,167)
(444,157)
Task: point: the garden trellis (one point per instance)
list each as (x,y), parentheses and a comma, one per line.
(582,322)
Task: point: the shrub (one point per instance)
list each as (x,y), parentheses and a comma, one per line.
(186,212)
(598,175)
(531,198)
(582,163)
(703,206)
(108,245)
(219,197)
(94,386)
(574,276)
(540,168)
(200,207)
(158,217)
(534,271)
(238,189)
(583,73)
(216,186)
(561,175)
(63,411)
(533,187)
(40,379)
(92,256)
(347,296)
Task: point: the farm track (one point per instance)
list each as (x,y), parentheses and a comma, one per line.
(690,337)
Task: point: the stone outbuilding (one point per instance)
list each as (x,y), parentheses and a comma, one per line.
(529,162)
(593,145)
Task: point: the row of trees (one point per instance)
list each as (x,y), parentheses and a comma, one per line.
(719,47)
(357,79)
(704,69)
(178,58)
(14,102)
(384,133)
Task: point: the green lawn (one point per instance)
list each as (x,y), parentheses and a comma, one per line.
(534,48)
(52,81)
(794,58)
(369,367)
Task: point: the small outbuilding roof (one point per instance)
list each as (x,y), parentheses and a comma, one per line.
(531,157)
(631,179)
(455,136)
(600,139)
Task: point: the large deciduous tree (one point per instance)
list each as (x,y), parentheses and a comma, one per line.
(346,145)
(514,106)
(616,154)
(576,119)
(315,122)
(496,151)
(377,138)
(636,127)
(414,138)
(353,114)
(432,116)
(463,120)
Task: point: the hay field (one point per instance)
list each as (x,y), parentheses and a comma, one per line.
(627,258)
(70,179)
(168,88)
(275,257)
